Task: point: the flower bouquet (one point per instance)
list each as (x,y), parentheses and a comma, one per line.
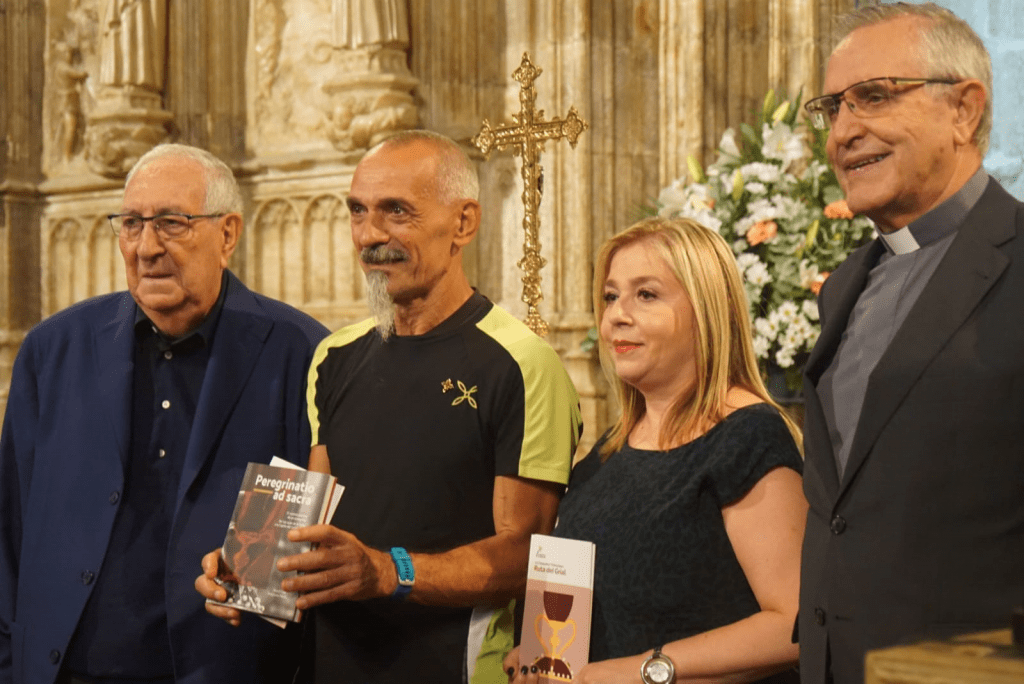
(772,195)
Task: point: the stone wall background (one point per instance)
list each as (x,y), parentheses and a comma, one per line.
(290,92)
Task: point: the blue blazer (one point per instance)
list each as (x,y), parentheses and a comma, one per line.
(65,440)
(923,535)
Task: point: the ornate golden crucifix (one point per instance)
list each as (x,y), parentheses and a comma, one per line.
(526,136)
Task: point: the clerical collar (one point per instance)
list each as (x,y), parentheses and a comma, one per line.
(205,330)
(941,221)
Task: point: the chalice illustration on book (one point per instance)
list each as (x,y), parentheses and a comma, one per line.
(556,613)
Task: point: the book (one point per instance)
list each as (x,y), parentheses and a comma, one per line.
(273,499)
(557,610)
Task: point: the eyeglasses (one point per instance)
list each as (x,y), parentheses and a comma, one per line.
(866,99)
(167,226)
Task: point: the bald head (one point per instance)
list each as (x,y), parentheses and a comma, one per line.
(456,177)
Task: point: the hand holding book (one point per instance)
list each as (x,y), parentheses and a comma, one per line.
(339,568)
(245,574)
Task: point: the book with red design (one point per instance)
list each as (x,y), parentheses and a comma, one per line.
(273,499)
(556,614)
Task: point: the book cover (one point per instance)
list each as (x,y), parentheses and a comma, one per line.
(556,614)
(272,500)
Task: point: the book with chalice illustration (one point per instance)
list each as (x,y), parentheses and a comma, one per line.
(556,615)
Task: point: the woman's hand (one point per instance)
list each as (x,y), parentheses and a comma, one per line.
(617,671)
(520,674)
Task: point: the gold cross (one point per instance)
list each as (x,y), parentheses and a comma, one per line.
(526,136)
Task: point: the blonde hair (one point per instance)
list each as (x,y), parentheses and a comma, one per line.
(948,48)
(706,268)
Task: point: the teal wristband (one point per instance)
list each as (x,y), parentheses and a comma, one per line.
(406,573)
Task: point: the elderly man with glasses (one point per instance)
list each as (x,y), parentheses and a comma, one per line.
(914,431)
(130,421)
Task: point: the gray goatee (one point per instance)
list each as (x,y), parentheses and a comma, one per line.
(382,308)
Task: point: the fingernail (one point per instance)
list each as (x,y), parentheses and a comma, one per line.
(533,669)
(524,669)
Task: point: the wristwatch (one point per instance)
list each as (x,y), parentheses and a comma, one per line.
(658,669)
(406,573)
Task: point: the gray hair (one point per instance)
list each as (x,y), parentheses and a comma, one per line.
(223,195)
(456,178)
(949,48)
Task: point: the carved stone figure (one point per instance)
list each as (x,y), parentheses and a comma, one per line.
(129,117)
(67,80)
(371,92)
(359,124)
(358,23)
(81,31)
(134,38)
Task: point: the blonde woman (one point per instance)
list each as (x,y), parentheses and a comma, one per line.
(694,497)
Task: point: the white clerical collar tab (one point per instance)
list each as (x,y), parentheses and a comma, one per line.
(901,241)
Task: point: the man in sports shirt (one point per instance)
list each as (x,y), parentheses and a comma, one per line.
(452,427)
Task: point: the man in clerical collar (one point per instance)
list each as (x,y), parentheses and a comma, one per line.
(915,389)
(130,421)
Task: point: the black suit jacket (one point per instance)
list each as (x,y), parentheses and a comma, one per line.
(923,536)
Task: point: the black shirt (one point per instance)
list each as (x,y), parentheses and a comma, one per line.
(664,567)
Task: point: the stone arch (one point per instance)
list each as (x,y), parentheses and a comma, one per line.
(277,252)
(107,265)
(67,274)
(328,249)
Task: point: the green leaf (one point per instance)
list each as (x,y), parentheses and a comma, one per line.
(795,109)
(751,136)
(812,233)
(832,193)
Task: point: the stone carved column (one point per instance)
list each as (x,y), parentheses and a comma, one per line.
(793,60)
(681,40)
(22,37)
(134,34)
(371,85)
(129,117)
(718,59)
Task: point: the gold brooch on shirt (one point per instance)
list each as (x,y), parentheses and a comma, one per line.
(466,395)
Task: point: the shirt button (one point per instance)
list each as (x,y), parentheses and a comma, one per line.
(54,656)
(113,498)
(838,525)
(819,616)
(166,404)
(87,577)
(168,355)
(162,453)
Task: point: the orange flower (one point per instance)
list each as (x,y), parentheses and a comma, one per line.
(838,210)
(762,231)
(819,280)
